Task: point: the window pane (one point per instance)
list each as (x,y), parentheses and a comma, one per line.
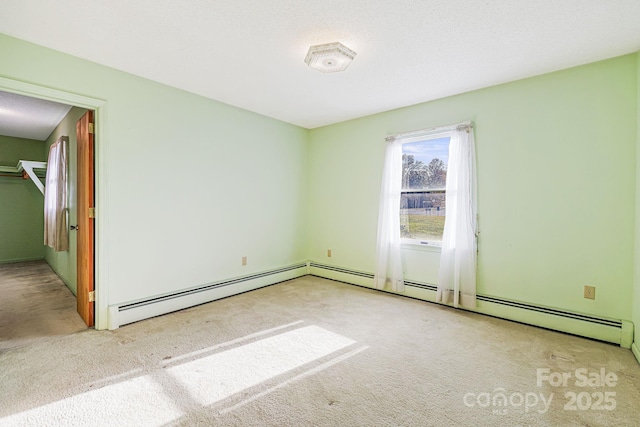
(424,163)
(424,167)
(422,216)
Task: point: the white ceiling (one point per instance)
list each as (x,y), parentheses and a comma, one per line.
(250,53)
(29,118)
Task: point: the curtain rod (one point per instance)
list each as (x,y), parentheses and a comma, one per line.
(431,131)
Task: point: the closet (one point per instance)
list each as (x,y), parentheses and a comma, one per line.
(39,284)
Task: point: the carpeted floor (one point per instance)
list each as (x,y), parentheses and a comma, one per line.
(35,305)
(313,352)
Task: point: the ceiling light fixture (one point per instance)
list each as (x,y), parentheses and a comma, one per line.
(330,57)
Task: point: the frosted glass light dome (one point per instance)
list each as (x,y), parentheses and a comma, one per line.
(330,57)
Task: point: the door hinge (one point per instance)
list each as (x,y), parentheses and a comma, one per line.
(92,212)
(91,128)
(92,296)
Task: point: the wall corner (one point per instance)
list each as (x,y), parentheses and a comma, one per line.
(635,309)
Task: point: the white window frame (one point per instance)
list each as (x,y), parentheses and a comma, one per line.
(421,242)
(419,136)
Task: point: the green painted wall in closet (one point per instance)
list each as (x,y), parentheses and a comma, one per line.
(21,204)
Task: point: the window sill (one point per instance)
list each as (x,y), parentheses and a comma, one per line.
(415,245)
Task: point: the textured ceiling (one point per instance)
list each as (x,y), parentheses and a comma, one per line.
(250,53)
(29,118)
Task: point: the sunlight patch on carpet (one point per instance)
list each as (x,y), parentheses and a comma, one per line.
(236,341)
(216,377)
(305,374)
(169,392)
(137,401)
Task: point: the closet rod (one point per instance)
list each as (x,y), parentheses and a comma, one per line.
(27,167)
(22,175)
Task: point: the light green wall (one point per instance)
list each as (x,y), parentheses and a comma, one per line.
(21,204)
(13,149)
(556,183)
(192,184)
(65,263)
(636,288)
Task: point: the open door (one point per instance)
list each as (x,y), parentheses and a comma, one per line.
(86,214)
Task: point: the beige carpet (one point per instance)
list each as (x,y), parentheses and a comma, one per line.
(35,305)
(312,352)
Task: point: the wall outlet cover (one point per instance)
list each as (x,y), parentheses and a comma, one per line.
(589,292)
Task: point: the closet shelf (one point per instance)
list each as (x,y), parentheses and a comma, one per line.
(29,168)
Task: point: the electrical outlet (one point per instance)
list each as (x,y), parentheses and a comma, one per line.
(244,260)
(329,253)
(589,292)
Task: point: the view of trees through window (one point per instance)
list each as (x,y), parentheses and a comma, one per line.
(424,176)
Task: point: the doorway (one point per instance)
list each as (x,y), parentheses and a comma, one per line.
(86,292)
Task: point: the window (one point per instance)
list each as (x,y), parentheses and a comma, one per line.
(412,208)
(423,195)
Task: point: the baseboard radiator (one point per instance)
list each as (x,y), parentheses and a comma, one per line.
(610,330)
(138,310)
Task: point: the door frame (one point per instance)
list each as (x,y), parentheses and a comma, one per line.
(100,120)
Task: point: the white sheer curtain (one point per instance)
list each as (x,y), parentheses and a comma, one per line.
(388,260)
(55,197)
(457,276)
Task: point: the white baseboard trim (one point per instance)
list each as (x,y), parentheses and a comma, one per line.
(636,351)
(626,336)
(610,330)
(129,312)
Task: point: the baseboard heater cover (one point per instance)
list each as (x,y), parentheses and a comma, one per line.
(636,351)
(568,314)
(341,270)
(616,329)
(144,309)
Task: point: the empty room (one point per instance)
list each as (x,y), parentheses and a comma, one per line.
(416,213)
